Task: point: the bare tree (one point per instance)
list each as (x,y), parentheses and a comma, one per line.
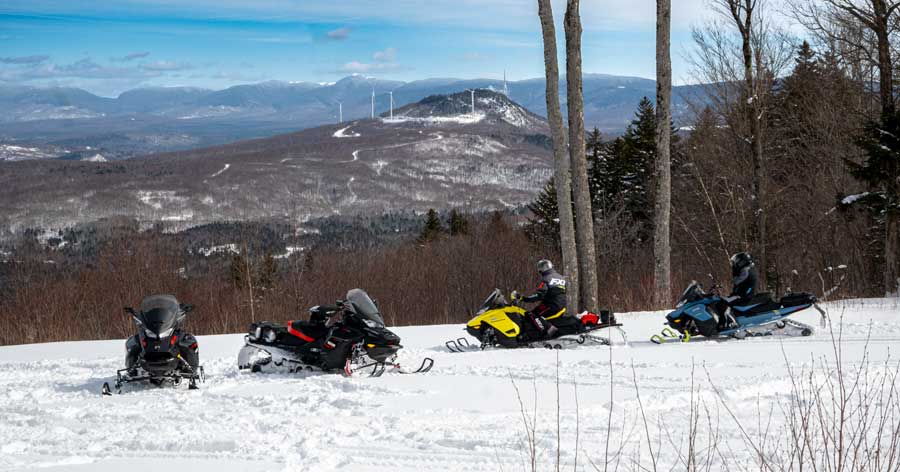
(834,21)
(831,20)
(563,174)
(584,235)
(741,70)
(662,215)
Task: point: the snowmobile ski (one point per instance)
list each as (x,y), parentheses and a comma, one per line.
(123,378)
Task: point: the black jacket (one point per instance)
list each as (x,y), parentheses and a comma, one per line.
(551,292)
(744,284)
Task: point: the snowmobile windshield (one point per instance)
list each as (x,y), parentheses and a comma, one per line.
(159,314)
(365,307)
(489,302)
(693,293)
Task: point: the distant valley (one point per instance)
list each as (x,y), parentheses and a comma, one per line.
(72,124)
(435,153)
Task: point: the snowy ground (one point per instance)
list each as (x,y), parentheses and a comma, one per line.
(463,415)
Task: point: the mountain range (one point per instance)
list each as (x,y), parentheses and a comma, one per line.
(71,123)
(435,153)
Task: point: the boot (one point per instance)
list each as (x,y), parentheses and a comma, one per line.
(550,331)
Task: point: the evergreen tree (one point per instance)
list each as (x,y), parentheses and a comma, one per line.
(432,229)
(267,273)
(881,173)
(238,271)
(457,223)
(543,226)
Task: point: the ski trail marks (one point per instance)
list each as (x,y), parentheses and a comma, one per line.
(220,172)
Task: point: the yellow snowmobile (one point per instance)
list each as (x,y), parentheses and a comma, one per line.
(498,323)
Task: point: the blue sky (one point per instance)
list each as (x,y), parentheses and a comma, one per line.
(108,46)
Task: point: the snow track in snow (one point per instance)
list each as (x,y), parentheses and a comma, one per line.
(342,133)
(221,171)
(463,415)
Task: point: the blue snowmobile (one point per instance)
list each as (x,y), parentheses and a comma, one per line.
(700,313)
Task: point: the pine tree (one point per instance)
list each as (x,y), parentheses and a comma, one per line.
(267,273)
(238,270)
(543,226)
(432,229)
(881,173)
(457,223)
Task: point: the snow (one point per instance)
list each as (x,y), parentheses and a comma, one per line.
(220,249)
(95,158)
(463,415)
(464,119)
(342,133)
(290,251)
(853,198)
(219,172)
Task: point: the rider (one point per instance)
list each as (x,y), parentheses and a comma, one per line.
(743,286)
(551,293)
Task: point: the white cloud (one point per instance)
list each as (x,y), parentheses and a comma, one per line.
(165,66)
(356,67)
(388,55)
(24,59)
(339,34)
(131,56)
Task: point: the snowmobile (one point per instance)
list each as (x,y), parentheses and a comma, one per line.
(696,314)
(350,336)
(161,352)
(498,323)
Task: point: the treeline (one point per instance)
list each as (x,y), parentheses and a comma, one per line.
(51,295)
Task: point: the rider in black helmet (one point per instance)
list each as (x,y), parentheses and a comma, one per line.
(551,293)
(743,286)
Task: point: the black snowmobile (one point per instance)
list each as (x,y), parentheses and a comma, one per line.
(498,323)
(161,352)
(350,336)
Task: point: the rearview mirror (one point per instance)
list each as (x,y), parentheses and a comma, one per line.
(187,308)
(130,311)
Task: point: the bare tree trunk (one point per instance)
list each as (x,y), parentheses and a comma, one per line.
(584,235)
(742,12)
(662,250)
(880,24)
(892,254)
(563,174)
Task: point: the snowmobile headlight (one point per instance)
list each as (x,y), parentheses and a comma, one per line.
(270,336)
(167,333)
(680,304)
(150,334)
(371,323)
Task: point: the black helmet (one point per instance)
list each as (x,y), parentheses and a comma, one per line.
(740,261)
(544,265)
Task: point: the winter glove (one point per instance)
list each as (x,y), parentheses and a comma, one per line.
(515,297)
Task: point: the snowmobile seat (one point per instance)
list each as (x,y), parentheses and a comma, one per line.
(759,303)
(796,299)
(308,331)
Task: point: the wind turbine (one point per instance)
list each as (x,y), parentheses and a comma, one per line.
(340,112)
(392,104)
(373,104)
(473,100)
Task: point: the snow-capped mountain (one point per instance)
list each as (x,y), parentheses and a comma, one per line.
(163,119)
(481,105)
(433,154)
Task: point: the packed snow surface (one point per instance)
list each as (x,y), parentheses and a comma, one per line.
(463,415)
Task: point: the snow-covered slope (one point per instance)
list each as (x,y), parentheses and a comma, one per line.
(463,415)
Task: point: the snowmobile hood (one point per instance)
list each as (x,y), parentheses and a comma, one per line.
(160,313)
(364,306)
